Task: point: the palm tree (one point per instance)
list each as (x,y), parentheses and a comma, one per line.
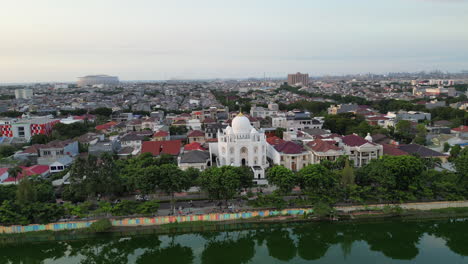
(13,172)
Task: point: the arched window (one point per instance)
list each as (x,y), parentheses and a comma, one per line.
(231,150)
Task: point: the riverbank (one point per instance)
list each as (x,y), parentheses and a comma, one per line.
(372,215)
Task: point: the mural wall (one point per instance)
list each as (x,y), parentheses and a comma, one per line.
(158,220)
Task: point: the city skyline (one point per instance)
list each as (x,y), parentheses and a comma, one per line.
(156,40)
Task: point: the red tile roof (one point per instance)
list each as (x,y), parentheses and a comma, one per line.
(274,141)
(106,126)
(194,146)
(322,146)
(355,140)
(212,140)
(29,171)
(171,147)
(461,129)
(392,150)
(209,120)
(289,147)
(196,133)
(161,133)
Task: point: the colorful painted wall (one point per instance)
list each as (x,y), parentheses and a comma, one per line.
(159,220)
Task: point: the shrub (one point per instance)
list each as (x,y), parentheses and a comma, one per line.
(101,225)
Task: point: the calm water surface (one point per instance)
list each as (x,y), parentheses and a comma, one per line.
(441,241)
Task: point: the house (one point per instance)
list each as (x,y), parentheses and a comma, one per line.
(132,140)
(149,123)
(342,108)
(133,125)
(393,150)
(107,127)
(40,170)
(423,152)
(194,159)
(54,150)
(196,136)
(461,131)
(156,148)
(194,146)
(60,164)
(105,146)
(361,151)
(324,150)
(296,121)
(211,130)
(288,154)
(161,135)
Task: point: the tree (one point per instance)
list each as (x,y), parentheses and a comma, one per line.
(14,172)
(102,111)
(391,177)
(39,139)
(26,192)
(148,207)
(455,151)
(221,183)
(193,174)
(404,131)
(461,164)
(282,178)
(446,147)
(421,134)
(173,180)
(279,132)
(6,151)
(318,181)
(347,174)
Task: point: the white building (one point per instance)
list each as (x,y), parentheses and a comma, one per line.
(24,93)
(242,145)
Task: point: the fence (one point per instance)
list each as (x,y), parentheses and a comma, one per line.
(158,220)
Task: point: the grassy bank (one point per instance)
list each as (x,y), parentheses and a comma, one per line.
(103,228)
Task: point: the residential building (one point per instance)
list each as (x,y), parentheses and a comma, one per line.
(194,159)
(324,150)
(156,148)
(298,78)
(25,128)
(361,151)
(196,136)
(296,121)
(288,154)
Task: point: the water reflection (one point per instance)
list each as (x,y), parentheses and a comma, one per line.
(294,243)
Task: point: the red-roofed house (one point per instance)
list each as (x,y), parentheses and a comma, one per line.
(361,150)
(288,154)
(194,146)
(161,135)
(41,170)
(106,127)
(196,136)
(324,150)
(274,140)
(171,147)
(393,150)
(461,130)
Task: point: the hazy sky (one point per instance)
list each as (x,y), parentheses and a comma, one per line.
(59,40)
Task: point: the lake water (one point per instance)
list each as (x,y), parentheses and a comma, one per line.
(434,241)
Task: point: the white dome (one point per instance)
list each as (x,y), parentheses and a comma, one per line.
(368,137)
(228,130)
(241,124)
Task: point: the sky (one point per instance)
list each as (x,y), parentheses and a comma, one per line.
(59,40)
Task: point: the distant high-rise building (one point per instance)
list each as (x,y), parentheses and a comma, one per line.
(91,80)
(24,93)
(298,78)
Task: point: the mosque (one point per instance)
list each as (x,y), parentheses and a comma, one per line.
(242,145)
